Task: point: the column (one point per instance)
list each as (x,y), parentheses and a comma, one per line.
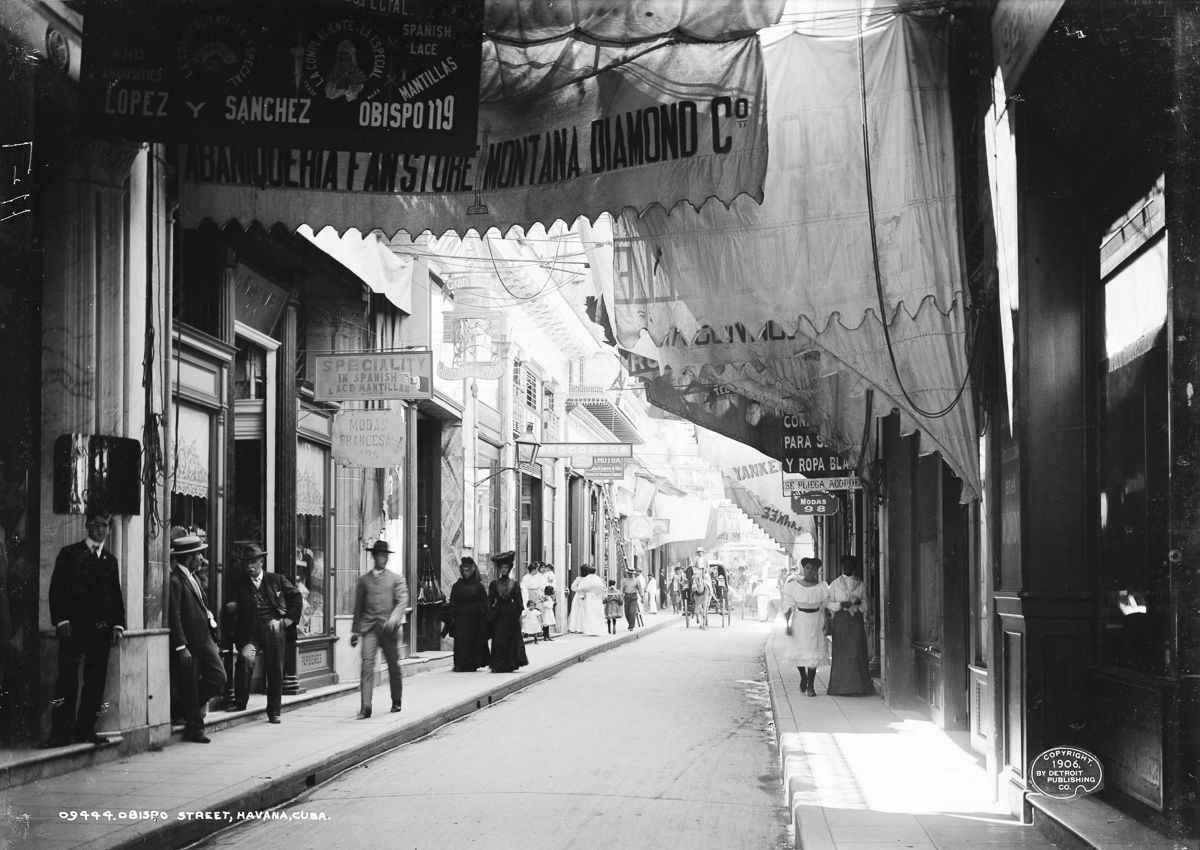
(285,474)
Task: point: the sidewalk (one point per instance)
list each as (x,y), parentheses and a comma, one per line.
(859,775)
(187,791)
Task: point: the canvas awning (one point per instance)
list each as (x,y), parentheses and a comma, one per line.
(752,309)
(384,272)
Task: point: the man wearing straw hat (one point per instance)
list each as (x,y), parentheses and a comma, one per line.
(195,662)
(380,603)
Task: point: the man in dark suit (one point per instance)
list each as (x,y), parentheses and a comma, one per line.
(88,612)
(267,605)
(195,662)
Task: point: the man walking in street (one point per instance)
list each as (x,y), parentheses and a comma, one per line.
(380,607)
(195,662)
(88,612)
(631,589)
(267,605)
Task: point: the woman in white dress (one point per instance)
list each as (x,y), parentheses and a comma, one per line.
(807,598)
(589,601)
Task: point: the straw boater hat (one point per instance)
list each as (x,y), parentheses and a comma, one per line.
(186,544)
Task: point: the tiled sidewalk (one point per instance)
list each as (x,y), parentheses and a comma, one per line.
(859,775)
(250,768)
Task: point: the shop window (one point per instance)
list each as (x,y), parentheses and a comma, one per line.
(1133,456)
(190,468)
(312,536)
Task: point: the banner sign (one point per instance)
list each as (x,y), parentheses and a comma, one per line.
(369,438)
(805,452)
(783,525)
(386,75)
(373,376)
(815,503)
(586,450)
(605,468)
(683,122)
(797,485)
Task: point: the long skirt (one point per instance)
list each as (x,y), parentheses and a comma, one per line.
(849,675)
(808,639)
(508,647)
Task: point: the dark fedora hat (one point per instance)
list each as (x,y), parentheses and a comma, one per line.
(252,552)
(380,546)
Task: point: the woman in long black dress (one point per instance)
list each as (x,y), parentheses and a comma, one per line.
(505,605)
(467,619)
(849,675)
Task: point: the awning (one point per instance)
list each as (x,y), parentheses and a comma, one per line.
(383,271)
(777,305)
(689,518)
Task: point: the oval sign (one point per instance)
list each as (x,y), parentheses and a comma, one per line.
(1066,772)
(815,503)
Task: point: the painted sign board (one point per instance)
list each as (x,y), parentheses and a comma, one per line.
(397,76)
(606,468)
(795,485)
(374,376)
(373,439)
(815,503)
(588,450)
(805,452)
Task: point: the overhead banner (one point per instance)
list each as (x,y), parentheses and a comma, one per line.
(390,75)
(781,524)
(685,122)
(781,300)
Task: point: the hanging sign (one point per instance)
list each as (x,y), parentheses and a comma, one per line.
(373,439)
(685,122)
(815,503)
(794,485)
(607,468)
(480,339)
(805,452)
(386,75)
(586,450)
(373,376)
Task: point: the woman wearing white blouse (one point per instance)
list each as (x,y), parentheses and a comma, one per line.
(806,598)
(848,675)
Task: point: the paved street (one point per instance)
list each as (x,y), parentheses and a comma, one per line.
(666,742)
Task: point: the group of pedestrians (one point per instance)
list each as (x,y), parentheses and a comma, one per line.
(504,614)
(813,610)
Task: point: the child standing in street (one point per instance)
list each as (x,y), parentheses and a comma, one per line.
(614,604)
(531,622)
(547,611)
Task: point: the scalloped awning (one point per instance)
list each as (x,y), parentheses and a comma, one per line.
(586,107)
(778,302)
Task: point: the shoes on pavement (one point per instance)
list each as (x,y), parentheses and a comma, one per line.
(197,738)
(274,718)
(395,707)
(364,714)
(236,708)
(811,691)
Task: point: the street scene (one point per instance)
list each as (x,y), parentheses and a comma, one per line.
(530,424)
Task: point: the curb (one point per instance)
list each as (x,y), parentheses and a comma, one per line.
(277,790)
(807,825)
